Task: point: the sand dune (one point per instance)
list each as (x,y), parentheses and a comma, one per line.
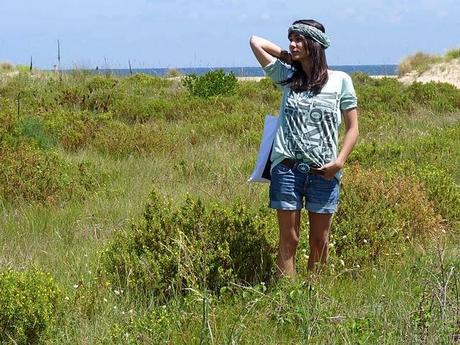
(447,72)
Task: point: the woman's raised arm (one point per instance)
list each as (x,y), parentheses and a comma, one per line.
(264,50)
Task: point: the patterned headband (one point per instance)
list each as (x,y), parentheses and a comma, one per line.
(311,32)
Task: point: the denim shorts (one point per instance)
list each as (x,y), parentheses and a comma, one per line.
(289,187)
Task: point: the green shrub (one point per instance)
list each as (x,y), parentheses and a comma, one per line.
(385,95)
(213,83)
(33,128)
(438,97)
(120,139)
(139,109)
(94,93)
(169,251)
(144,84)
(440,188)
(76,129)
(431,159)
(379,215)
(29,303)
(360,78)
(23,68)
(30,174)
(100,93)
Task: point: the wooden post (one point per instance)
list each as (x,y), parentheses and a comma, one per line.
(59,59)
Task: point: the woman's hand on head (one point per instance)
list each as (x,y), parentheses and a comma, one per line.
(264,50)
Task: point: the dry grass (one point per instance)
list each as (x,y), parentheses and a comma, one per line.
(6,66)
(418,62)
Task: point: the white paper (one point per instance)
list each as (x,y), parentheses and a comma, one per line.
(268,136)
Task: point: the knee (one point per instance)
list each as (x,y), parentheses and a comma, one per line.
(318,242)
(289,241)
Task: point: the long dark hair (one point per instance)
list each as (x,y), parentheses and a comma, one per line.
(300,81)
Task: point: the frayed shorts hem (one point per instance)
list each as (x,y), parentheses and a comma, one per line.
(314,208)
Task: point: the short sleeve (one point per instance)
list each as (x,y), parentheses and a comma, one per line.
(277,71)
(348,98)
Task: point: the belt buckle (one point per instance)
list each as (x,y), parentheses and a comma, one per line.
(303,167)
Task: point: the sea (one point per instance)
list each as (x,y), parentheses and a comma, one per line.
(385,70)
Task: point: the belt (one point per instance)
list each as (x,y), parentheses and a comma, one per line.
(301,166)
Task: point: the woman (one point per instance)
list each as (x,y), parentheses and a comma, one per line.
(305,162)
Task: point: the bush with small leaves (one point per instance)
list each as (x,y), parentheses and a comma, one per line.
(379,214)
(213,83)
(196,246)
(438,97)
(427,159)
(29,306)
(31,174)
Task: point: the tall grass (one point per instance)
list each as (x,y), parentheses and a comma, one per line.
(453,53)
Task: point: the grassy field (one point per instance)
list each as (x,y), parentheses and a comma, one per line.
(82,153)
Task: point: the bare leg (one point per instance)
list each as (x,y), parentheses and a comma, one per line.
(289,226)
(320,224)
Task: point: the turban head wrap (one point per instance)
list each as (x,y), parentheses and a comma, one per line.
(311,32)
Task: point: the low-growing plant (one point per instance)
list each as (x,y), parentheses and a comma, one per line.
(195,246)
(29,305)
(144,81)
(418,62)
(30,174)
(33,128)
(6,66)
(385,95)
(137,109)
(23,68)
(452,54)
(424,159)
(173,73)
(360,78)
(438,97)
(212,83)
(379,215)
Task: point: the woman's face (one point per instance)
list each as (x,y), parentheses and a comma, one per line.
(297,47)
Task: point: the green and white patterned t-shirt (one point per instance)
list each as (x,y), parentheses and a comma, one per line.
(308,124)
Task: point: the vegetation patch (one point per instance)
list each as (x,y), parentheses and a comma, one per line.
(29,304)
(29,174)
(418,62)
(6,66)
(452,54)
(380,214)
(212,83)
(421,62)
(389,96)
(424,159)
(194,247)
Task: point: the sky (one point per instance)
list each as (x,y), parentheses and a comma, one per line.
(215,33)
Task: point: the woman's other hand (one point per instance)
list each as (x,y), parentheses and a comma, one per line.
(329,170)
